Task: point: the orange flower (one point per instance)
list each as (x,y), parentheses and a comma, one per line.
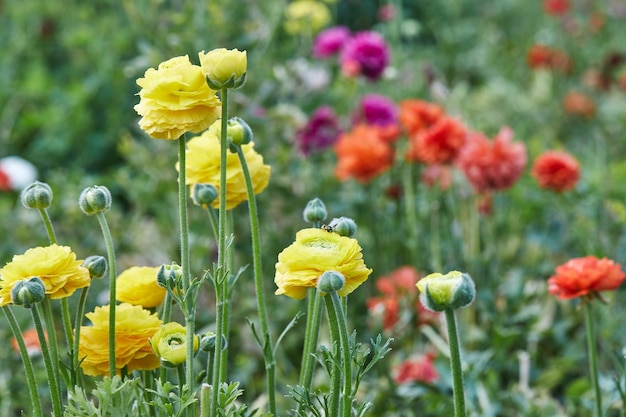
(541,56)
(362,154)
(421,369)
(579,104)
(492,165)
(31,340)
(556,170)
(584,277)
(417,115)
(438,144)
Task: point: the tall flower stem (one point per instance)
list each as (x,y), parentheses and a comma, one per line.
(80,312)
(593,357)
(455,364)
(339,334)
(311,335)
(53,345)
(33,393)
(268,351)
(48,359)
(220,278)
(108,241)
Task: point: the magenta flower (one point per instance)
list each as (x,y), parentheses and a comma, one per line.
(366,54)
(320,132)
(376,110)
(330,41)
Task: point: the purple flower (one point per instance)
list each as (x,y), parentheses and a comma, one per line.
(376,110)
(330,41)
(321,131)
(366,53)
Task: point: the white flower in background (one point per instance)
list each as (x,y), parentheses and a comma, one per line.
(16,173)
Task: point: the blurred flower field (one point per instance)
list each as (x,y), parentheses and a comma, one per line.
(486,138)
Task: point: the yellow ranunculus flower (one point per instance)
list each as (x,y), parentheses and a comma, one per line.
(138,286)
(55,265)
(175,99)
(203,167)
(314,252)
(134,326)
(306,17)
(169,343)
(224,67)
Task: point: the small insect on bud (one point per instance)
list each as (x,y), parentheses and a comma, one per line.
(331,281)
(315,211)
(95,199)
(453,290)
(343,226)
(37,195)
(28,292)
(203,194)
(96,265)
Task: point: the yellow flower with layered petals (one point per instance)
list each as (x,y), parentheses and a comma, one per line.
(138,286)
(169,343)
(55,265)
(314,252)
(134,326)
(224,67)
(306,17)
(175,99)
(203,167)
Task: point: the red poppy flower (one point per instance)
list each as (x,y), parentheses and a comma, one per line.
(438,144)
(362,154)
(417,115)
(580,277)
(420,369)
(556,170)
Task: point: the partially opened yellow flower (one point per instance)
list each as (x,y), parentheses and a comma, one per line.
(134,326)
(314,252)
(55,265)
(224,67)
(138,286)
(306,17)
(203,167)
(175,99)
(170,343)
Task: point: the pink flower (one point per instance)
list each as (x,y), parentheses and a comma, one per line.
(366,54)
(421,369)
(376,110)
(330,41)
(320,132)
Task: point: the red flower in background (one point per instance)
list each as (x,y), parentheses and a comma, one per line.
(585,276)
(362,154)
(579,104)
(541,56)
(420,369)
(556,7)
(417,115)
(31,340)
(437,176)
(556,170)
(439,144)
(492,165)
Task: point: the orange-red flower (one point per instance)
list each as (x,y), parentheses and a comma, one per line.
(417,115)
(585,276)
(556,170)
(362,154)
(579,104)
(556,7)
(438,144)
(31,340)
(492,165)
(421,369)
(541,56)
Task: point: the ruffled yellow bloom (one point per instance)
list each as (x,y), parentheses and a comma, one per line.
(138,286)
(314,252)
(169,343)
(203,167)
(306,17)
(134,326)
(175,99)
(55,265)
(224,67)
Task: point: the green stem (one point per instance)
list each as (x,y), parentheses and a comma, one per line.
(314,317)
(52,337)
(48,362)
(205,399)
(593,357)
(28,365)
(455,364)
(220,277)
(165,317)
(80,312)
(268,350)
(108,241)
(411,211)
(339,333)
(46,220)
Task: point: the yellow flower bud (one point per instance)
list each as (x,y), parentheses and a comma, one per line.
(169,343)
(452,290)
(224,68)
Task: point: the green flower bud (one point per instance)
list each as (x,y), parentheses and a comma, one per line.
(239,132)
(169,275)
(453,290)
(331,281)
(315,211)
(96,199)
(28,292)
(203,194)
(343,226)
(37,195)
(96,265)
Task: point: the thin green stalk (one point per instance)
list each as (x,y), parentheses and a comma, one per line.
(455,364)
(314,317)
(80,312)
(48,362)
(165,317)
(33,393)
(339,333)
(220,278)
(52,337)
(411,211)
(108,241)
(205,400)
(268,350)
(593,357)
(48,223)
